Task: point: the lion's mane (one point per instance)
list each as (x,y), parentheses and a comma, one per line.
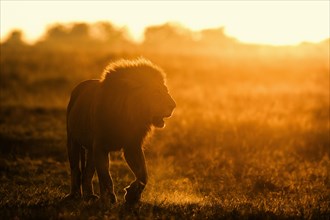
(124,84)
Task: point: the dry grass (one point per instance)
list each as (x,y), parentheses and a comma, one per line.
(247,140)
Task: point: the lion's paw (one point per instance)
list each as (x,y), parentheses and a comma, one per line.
(113,198)
(133,192)
(108,199)
(90,198)
(71,198)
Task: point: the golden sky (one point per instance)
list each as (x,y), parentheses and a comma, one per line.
(265,22)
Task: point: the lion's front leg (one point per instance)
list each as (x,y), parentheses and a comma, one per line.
(135,159)
(101,160)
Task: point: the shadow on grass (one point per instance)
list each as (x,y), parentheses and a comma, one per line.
(143,210)
(32,131)
(34,148)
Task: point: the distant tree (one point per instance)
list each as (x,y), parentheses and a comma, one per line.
(107,31)
(102,36)
(216,38)
(80,34)
(66,37)
(113,38)
(80,30)
(168,37)
(15,39)
(56,32)
(173,38)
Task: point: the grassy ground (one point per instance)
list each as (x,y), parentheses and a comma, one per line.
(246,141)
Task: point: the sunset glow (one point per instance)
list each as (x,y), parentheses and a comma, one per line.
(270,22)
(86,88)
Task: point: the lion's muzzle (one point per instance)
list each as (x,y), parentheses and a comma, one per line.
(158,120)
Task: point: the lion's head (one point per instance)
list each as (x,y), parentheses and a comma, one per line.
(142,91)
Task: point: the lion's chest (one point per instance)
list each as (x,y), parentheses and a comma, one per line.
(115,133)
(110,135)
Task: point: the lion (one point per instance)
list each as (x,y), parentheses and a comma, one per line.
(114,113)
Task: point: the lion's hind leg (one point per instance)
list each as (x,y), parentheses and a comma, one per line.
(87,176)
(74,150)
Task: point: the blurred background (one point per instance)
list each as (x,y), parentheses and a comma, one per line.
(250,133)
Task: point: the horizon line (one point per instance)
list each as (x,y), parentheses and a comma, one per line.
(140,39)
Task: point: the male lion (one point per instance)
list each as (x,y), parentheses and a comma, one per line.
(113,113)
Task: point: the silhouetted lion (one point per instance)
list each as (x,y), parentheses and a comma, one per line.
(113,113)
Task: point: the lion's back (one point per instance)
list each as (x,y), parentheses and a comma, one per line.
(79,111)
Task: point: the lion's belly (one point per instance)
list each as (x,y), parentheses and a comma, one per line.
(105,136)
(80,128)
(86,127)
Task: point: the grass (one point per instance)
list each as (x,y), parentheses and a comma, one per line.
(246,141)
